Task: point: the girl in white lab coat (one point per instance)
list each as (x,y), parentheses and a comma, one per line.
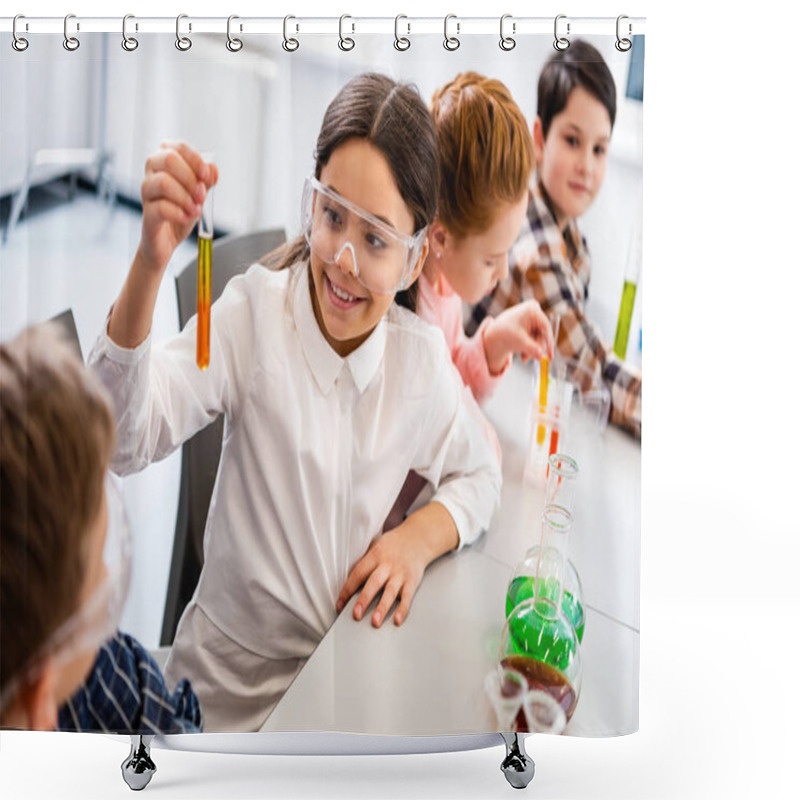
(331,392)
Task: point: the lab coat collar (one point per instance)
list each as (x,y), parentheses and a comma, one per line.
(325,364)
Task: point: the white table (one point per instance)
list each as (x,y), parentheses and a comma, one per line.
(425,678)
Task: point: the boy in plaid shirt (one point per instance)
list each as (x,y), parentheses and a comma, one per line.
(549,261)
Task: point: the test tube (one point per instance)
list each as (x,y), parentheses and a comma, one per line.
(205,236)
(629,284)
(559,365)
(546,417)
(542,424)
(544,379)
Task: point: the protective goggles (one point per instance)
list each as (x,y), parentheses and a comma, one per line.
(383,259)
(96,621)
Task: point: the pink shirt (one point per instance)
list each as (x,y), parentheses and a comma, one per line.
(439,305)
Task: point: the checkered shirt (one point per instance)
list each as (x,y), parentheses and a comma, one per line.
(554,268)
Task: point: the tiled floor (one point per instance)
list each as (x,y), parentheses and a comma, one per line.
(75,254)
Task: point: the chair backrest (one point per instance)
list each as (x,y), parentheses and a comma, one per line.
(66,321)
(230,256)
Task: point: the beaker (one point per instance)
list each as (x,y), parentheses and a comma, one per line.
(205,237)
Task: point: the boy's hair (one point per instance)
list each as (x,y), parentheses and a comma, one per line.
(485,151)
(579,65)
(392,117)
(56,439)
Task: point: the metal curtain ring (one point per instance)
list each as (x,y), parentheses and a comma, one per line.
(623,44)
(70,42)
(183,43)
(507,42)
(233,44)
(345,42)
(290,44)
(451,42)
(128,42)
(18,43)
(560,43)
(401,42)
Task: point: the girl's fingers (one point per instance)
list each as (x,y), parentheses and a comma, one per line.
(406,595)
(162,186)
(535,351)
(373,585)
(173,163)
(387,601)
(356,577)
(171,160)
(169,212)
(539,327)
(204,171)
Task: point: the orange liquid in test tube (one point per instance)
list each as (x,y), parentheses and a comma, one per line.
(203,301)
(544,374)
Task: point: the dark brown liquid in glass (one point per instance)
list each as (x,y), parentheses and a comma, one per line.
(543,677)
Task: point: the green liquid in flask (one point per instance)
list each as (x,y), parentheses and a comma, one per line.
(521,588)
(624,320)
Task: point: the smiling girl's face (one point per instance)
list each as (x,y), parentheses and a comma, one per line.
(572,159)
(345,310)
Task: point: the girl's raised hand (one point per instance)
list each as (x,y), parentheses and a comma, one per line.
(175,184)
(524,329)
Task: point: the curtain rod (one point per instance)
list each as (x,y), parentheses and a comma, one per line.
(404,25)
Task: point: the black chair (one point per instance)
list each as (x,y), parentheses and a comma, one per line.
(66,321)
(231,255)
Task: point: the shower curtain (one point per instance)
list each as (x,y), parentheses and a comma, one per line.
(78,125)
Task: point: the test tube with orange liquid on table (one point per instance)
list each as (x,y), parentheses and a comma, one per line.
(205,237)
(545,433)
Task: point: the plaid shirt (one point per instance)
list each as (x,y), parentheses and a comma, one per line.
(554,269)
(125,693)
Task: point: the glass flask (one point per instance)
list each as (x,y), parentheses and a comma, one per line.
(562,482)
(506,689)
(543,713)
(522,587)
(538,639)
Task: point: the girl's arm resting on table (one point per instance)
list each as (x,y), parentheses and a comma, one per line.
(396,562)
(456,458)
